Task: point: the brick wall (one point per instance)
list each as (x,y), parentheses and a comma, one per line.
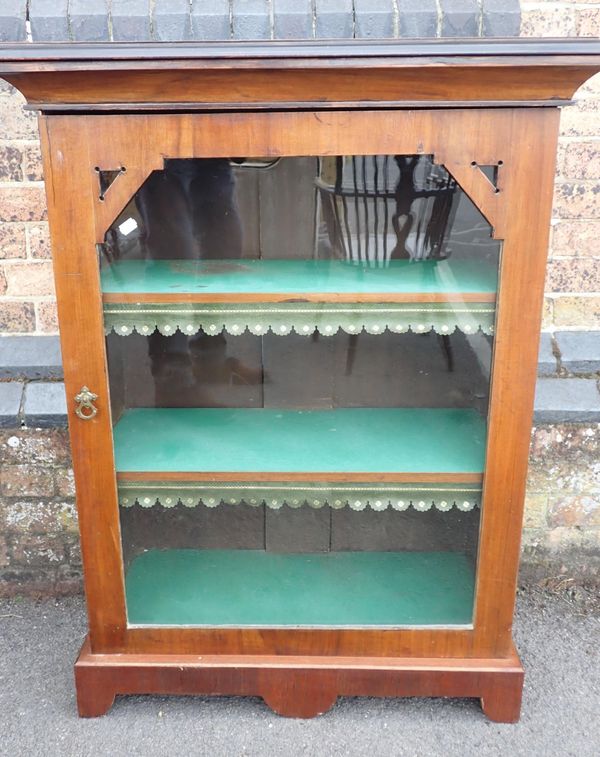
(573,279)
(26,284)
(39,545)
(561,528)
(38,537)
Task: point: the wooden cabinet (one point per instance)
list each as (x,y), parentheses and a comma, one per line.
(299,291)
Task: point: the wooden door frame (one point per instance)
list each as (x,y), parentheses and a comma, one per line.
(523,139)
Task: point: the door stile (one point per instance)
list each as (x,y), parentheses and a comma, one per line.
(69,189)
(529,168)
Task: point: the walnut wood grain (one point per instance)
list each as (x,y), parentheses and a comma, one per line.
(325,297)
(299,687)
(397,477)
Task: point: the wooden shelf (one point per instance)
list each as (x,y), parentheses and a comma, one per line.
(282,296)
(347,444)
(138,281)
(257,588)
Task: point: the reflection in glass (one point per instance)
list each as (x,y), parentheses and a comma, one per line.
(299,354)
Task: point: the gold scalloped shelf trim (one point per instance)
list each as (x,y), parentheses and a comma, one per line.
(377,498)
(327,319)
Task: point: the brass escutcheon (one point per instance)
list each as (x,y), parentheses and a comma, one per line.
(85,408)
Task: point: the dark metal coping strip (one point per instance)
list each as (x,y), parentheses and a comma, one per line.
(108,108)
(275,49)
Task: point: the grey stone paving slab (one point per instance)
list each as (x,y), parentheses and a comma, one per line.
(130,20)
(11,394)
(45,404)
(49,22)
(171,20)
(31,357)
(251,19)
(562,400)
(557,640)
(13,14)
(418,19)
(460,18)
(88,20)
(374,19)
(334,19)
(292,19)
(501,18)
(579,350)
(211,20)
(547,363)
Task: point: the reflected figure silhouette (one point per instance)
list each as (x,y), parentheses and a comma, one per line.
(189,212)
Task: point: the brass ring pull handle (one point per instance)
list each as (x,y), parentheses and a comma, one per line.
(85,408)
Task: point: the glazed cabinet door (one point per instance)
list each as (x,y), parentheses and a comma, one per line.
(300,351)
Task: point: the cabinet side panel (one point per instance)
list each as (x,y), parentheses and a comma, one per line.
(69,186)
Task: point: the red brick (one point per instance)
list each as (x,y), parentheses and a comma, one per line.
(591,87)
(577,199)
(47,319)
(26,279)
(12,240)
(38,516)
(65,484)
(535,509)
(580,510)
(582,160)
(581,119)
(37,549)
(32,163)
(577,312)
(576,238)
(578,443)
(561,149)
(11,161)
(22,203)
(17,317)
(552,22)
(26,481)
(548,313)
(38,238)
(588,22)
(69,580)
(573,275)
(74,552)
(17,123)
(47,447)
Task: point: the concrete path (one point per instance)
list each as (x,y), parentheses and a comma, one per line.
(559,640)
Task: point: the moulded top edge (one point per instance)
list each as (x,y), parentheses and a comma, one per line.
(438,50)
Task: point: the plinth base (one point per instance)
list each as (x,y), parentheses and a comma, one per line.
(300,687)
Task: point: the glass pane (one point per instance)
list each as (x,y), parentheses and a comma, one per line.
(299,354)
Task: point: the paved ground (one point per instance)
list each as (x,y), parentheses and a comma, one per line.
(559,640)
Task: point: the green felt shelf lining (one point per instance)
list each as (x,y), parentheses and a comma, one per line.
(257,588)
(297,277)
(340,440)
